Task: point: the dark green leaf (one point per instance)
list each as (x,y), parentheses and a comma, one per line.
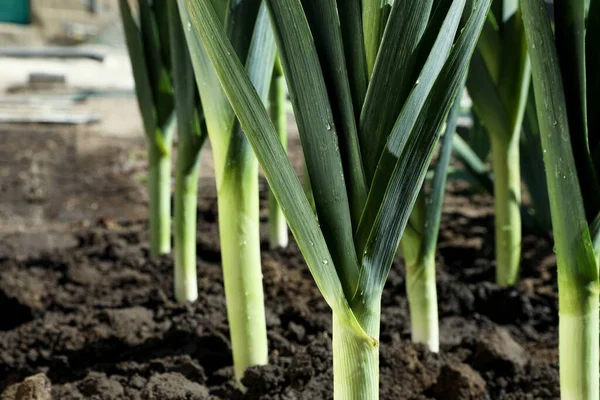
(323,19)
(574,250)
(410,114)
(140,71)
(239,22)
(392,78)
(354,50)
(570,46)
(592,58)
(413,159)
(160,82)
(532,167)
(318,134)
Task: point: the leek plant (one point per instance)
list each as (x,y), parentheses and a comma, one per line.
(472,151)
(566,77)
(250,38)
(278,231)
(148,45)
(366,166)
(498,84)
(419,244)
(191,132)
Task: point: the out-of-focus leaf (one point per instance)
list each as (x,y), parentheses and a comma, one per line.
(532,167)
(135,47)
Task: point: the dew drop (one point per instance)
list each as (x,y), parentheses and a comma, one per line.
(327,126)
(325,262)
(189,26)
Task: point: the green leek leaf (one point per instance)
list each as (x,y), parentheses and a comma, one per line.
(318,134)
(354,50)
(392,78)
(570,46)
(406,121)
(413,157)
(139,68)
(592,60)
(322,16)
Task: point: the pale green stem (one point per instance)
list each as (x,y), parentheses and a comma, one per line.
(240,255)
(507,203)
(356,360)
(159,198)
(186,200)
(278,230)
(578,341)
(422,299)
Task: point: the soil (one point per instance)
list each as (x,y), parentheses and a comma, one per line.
(96,315)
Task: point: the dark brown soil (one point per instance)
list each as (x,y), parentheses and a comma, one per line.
(100,321)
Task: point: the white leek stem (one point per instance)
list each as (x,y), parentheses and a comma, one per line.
(355,362)
(422,300)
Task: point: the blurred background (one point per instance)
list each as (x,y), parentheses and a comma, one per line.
(73,149)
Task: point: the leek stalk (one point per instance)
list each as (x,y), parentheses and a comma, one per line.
(498,83)
(159,197)
(559,84)
(507,207)
(191,135)
(236,173)
(148,50)
(419,245)
(237,199)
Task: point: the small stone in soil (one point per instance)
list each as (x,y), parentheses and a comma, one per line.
(173,386)
(459,382)
(99,385)
(35,387)
(497,349)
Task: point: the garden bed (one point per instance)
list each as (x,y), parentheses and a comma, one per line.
(100,321)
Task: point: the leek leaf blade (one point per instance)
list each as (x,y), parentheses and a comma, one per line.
(318,134)
(412,161)
(570,48)
(406,122)
(323,18)
(392,78)
(139,68)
